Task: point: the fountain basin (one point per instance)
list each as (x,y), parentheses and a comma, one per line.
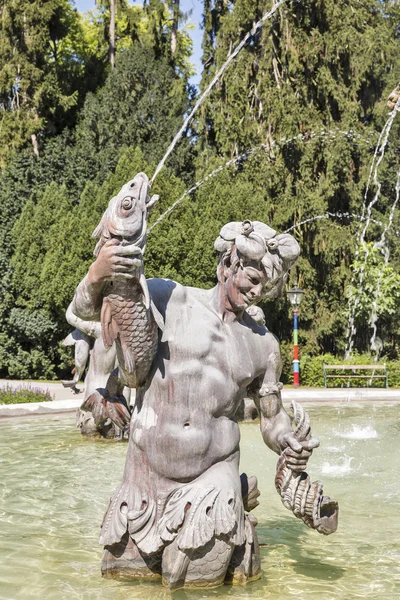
(57,483)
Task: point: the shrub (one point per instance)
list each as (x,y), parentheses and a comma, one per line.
(22,394)
(393,367)
(311,369)
(287,362)
(312,372)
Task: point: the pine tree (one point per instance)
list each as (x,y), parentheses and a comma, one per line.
(317,65)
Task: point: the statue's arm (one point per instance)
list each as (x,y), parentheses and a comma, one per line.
(85,326)
(275,423)
(86,305)
(274,420)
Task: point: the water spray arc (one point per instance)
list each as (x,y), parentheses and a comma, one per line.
(305,137)
(380,150)
(386,252)
(341,215)
(217,76)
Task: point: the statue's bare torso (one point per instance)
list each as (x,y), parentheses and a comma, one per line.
(187,421)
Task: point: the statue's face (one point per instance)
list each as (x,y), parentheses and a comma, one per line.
(245,286)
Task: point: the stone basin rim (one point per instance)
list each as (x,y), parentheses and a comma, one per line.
(306,396)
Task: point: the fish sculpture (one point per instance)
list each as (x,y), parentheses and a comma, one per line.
(298,494)
(128,316)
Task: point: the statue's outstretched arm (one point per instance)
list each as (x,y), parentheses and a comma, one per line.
(304,498)
(275,423)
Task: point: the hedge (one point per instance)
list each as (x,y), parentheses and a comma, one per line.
(312,372)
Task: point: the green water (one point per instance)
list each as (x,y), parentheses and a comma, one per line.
(55,486)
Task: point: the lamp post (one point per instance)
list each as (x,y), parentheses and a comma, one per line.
(295,295)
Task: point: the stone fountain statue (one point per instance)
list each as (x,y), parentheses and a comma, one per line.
(181,510)
(89,347)
(82,344)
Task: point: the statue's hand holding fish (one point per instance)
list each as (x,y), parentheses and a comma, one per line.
(116,261)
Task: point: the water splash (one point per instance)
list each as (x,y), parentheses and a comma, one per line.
(217,76)
(376,344)
(335,449)
(358,432)
(354,300)
(330,134)
(337,470)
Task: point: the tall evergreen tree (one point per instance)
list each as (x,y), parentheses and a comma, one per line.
(318,65)
(142,103)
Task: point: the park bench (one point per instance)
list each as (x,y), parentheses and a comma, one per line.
(349,372)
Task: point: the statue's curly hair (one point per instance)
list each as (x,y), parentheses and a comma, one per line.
(257,243)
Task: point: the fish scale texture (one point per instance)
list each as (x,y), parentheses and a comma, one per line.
(137,333)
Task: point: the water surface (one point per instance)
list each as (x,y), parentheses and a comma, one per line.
(56,486)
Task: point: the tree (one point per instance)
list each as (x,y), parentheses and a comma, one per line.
(141,104)
(318,65)
(379,296)
(37,68)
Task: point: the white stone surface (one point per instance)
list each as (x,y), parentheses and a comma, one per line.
(306,396)
(40,408)
(334,395)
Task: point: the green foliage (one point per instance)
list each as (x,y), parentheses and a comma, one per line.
(141,104)
(379,295)
(23,394)
(311,369)
(51,56)
(287,362)
(321,64)
(41,72)
(375,273)
(393,367)
(150,25)
(312,373)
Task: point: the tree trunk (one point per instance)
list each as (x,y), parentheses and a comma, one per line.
(35,144)
(111,47)
(174,31)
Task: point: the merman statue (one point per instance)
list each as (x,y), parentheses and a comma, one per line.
(181,510)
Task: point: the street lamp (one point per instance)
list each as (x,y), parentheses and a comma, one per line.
(295,295)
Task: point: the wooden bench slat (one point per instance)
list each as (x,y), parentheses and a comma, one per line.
(352,367)
(356,376)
